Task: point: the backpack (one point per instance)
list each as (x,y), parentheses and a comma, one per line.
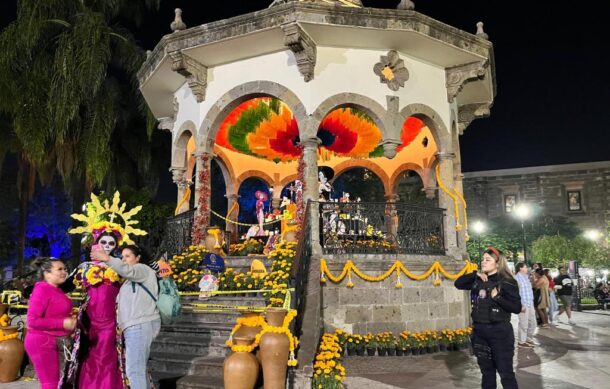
(168,302)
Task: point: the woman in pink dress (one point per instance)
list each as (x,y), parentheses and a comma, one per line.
(49,318)
(96,362)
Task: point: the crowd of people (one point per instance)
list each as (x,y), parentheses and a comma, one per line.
(106,344)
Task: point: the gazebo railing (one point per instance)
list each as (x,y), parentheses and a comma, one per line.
(372,227)
(177,233)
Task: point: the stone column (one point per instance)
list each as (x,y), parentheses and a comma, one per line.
(202,196)
(459,186)
(445,161)
(310,178)
(178,177)
(391,216)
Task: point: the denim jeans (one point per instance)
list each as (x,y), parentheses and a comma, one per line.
(138,339)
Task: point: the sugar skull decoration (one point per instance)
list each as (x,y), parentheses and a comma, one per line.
(208,283)
(108,224)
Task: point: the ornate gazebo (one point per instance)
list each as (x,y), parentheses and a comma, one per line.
(277,93)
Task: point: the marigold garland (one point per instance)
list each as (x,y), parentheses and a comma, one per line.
(202,218)
(397,267)
(7,336)
(4,320)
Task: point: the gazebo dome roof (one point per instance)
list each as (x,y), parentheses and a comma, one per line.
(344,3)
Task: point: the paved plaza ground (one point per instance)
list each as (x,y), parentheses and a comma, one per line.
(568,357)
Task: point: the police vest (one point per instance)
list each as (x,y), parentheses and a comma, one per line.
(484,308)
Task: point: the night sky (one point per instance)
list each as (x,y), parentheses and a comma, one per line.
(553,101)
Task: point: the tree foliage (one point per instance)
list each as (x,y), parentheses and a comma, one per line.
(553,251)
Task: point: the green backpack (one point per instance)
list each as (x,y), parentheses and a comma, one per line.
(168,302)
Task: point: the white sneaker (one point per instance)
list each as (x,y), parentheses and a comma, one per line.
(570,321)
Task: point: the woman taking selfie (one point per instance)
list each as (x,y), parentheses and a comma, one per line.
(494,296)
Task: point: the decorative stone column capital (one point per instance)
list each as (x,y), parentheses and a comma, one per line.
(389,147)
(178,176)
(232,197)
(430,192)
(303,47)
(310,143)
(444,156)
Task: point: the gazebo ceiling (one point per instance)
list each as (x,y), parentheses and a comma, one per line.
(261,33)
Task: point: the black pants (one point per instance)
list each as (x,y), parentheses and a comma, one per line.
(494,346)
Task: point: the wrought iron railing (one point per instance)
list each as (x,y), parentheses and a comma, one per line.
(177,233)
(348,228)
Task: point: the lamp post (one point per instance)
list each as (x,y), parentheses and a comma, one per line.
(478,227)
(593,235)
(523,212)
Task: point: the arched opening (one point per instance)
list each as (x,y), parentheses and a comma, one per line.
(410,189)
(218,201)
(249,210)
(359,183)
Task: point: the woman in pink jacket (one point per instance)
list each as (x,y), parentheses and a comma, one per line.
(49,317)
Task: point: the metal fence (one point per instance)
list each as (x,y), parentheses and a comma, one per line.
(380,228)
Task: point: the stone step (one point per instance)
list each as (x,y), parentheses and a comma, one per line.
(207,317)
(208,366)
(199,328)
(225,299)
(200,382)
(176,363)
(186,343)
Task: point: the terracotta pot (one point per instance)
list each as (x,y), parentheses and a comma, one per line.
(11,356)
(240,370)
(248,331)
(212,244)
(275,349)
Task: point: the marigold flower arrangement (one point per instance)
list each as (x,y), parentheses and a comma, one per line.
(328,371)
(91,275)
(277,280)
(249,246)
(185,268)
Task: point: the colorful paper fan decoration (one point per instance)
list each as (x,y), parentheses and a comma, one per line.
(107,217)
(410,129)
(266,128)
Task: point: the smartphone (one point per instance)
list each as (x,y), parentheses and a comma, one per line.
(96,247)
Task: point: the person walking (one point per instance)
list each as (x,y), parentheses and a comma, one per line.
(553,306)
(138,315)
(494,296)
(564,288)
(527,317)
(542,284)
(49,321)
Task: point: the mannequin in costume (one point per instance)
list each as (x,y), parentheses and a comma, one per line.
(261,197)
(96,356)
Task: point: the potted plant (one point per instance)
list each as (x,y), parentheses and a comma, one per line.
(360,345)
(382,349)
(446,338)
(404,344)
(371,344)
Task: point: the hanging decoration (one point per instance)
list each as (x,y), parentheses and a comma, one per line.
(266,128)
(457,198)
(202,216)
(435,270)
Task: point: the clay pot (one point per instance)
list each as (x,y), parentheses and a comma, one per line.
(247,331)
(212,244)
(11,356)
(240,370)
(275,349)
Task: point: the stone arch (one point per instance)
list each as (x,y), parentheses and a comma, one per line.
(231,99)
(362,163)
(227,175)
(184,133)
(256,174)
(287,180)
(401,169)
(433,121)
(375,110)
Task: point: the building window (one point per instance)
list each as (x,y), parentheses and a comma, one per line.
(510,200)
(574,200)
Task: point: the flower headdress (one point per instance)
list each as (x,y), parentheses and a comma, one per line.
(106,217)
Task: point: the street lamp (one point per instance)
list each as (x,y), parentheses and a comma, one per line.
(478,227)
(593,235)
(523,212)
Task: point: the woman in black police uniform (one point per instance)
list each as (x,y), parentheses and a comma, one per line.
(494,295)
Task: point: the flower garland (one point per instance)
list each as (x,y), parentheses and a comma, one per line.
(398,267)
(4,320)
(7,336)
(202,218)
(300,216)
(93,275)
(455,196)
(259,321)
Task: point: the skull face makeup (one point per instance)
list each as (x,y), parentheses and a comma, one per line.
(108,243)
